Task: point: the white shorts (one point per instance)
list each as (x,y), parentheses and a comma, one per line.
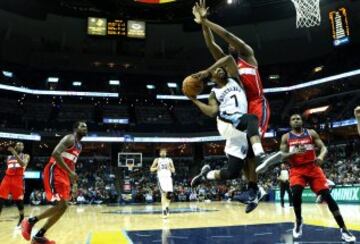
(236,141)
(166,184)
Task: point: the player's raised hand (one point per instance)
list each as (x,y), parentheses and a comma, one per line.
(196,14)
(202,9)
(357,112)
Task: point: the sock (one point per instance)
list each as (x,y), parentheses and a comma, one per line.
(253,185)
(40,233)
(339,219)
(21,217)
(211,175)
(33,220)
(257,148)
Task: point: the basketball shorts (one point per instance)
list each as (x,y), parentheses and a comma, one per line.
(260,107)
(309,174)
(166,184)
(236,140)
(57,184)
(12,185)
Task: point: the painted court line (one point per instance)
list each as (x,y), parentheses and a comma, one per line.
(143,235)
(124,232)
(88,239)
(179,237)
(263,234)
(222,236)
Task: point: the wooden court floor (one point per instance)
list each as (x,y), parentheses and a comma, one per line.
(110,224)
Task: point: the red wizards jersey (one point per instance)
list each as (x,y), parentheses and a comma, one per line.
(250,77)
(304,139)
(70,156)
(13,167)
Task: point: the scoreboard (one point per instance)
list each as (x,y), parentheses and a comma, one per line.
(340,29)
(115,27)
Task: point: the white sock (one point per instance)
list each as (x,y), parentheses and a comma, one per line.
(257,148)
(211,175)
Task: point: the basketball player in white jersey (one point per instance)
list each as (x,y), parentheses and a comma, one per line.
(164,167)
(228,102)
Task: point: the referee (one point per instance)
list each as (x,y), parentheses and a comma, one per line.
(284,185)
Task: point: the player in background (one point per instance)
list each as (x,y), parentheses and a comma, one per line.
(357,116)
(59,174)
(298,146)
(227,102)
(164,166)
(249,75)
(13,182)
(284,184)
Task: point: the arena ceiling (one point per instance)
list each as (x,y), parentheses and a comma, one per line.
(245,11)
(173,11)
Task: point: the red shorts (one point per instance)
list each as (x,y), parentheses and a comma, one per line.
(260,107)
(56,183)
(12,185)
(309,174)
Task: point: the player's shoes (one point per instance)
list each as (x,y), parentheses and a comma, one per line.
(261,192)
(253,201)
(264,161)
(200,178)
(297,230)
(347,236)
(41,240)
(26,228)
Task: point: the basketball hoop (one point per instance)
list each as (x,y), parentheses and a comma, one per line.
(307,13)
(130,163)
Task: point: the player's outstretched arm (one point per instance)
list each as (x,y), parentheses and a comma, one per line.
(154,166)
(213,47)
(200,12)
(227,62)
(211,109)
(244,49)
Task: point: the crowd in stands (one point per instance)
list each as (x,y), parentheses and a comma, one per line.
(100,181)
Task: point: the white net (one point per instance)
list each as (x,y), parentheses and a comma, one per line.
(132,159)
(307,13)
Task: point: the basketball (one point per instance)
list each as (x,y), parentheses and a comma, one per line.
(192,86)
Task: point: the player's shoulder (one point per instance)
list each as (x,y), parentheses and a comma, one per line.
(285,136)
(312,132)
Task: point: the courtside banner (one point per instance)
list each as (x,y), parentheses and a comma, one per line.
(341,194)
